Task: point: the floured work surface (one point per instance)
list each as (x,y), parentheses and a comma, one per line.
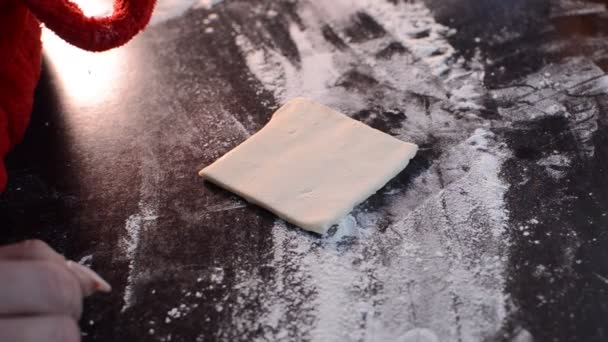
(310,165)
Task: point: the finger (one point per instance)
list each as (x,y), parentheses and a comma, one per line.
(39,287)
(40,328)
(29,250)
(90,281)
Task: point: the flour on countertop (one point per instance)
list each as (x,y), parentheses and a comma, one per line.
(406,20)
(558,90)
(86,260)
(362,284)
(134,225)
(140,222)
(556,165)
(426,261)
(565,8)
(436,272)
(169,9)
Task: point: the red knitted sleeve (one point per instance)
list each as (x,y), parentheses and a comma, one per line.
(93,33)
(4,144)
(19,72)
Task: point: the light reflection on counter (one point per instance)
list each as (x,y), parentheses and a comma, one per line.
(85,78)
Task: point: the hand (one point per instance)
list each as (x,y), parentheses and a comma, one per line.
(41,293)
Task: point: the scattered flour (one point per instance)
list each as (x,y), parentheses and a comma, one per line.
(558,90)
(440,265)
(134,225)
(404,21)
(86,260)
(429,265)
(419,335)
(169,9)
(142,221)
(565,8)
(556,165)
(436,272)
(278,74)
(217,275)
(179,312)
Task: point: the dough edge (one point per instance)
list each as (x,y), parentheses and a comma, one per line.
(319,227)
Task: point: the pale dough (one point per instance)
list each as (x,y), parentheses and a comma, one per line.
(311,165)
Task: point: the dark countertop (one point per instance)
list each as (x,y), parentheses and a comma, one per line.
(496,231)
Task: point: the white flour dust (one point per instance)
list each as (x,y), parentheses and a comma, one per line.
(169,9)
(558,90)
(134,225)
(406,21)
(438,268)
(564,8)
(86,260)
(556,165)
(140,222)
(435,272)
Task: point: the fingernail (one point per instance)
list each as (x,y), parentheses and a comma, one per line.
(92,282)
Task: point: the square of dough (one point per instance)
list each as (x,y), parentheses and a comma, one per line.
(311,165)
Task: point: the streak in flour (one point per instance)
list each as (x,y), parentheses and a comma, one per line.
(134,225)
(140,222)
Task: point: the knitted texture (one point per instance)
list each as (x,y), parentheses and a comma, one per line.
(20,51)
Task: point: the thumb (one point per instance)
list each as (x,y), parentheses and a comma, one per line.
(89,280)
